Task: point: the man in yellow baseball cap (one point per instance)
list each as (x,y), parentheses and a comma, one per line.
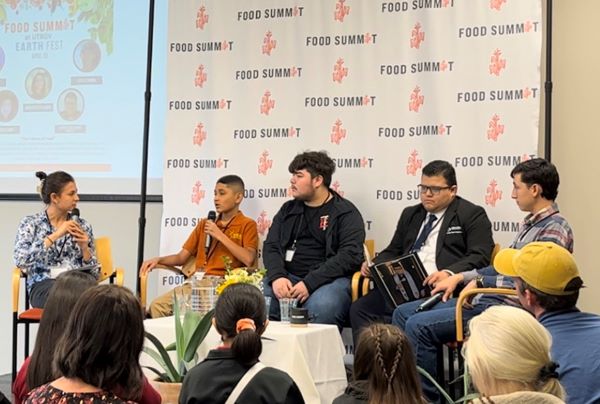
(548,283)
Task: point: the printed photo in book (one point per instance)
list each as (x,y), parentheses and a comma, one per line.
(401,280)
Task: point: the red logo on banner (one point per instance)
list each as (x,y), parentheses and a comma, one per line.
(292,132)
(264,163)
(201,18)
(339,71)
(497,64)
(268,43)
(197,193)
(493,194)
(525,157)
(495,129)
(496,4)
(414,163)
(442,129)
(368,37)
(445,3)
(324,222)
(443,65)
(201,76)
(416,100)
(262,223)
(526,93)
(199,134)
(417,36)
(224,45)
(266,104)
(341,11)
(337,132)
(336,187)
(528,26)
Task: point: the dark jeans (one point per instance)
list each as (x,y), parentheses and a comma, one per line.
(370,308)
(327,305)
(39,293)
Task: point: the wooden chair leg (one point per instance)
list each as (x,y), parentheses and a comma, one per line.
(14,347)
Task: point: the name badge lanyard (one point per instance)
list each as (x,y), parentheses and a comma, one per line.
(213,246)
(289,253)
(437,222)
(64,239)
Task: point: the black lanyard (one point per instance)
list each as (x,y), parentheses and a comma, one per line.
(65,238)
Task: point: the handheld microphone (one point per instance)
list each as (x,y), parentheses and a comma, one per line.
(75,215)
(429,303)
(212,216)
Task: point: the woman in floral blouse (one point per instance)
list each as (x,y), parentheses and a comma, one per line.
(50,242)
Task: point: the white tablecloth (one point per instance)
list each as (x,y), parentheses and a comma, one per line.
(312,356)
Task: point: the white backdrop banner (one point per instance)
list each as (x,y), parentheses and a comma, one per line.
(383,86)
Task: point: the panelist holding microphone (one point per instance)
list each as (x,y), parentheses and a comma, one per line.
(54,240)
(229,234)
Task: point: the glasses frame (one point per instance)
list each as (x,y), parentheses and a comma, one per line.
(435,190)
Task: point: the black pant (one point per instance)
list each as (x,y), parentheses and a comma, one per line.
(371,308)
(39,293)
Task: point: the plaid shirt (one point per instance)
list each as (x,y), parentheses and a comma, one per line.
(546,225)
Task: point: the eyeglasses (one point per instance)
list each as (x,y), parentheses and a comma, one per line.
(434,190)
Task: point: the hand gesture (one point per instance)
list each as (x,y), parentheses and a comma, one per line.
(211,229)
(471,285)
(300,292)
(436,277)
(282,287)
(79,236)
(148,265)
(448,286)
(365,270)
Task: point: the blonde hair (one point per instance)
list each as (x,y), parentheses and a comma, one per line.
(508,351)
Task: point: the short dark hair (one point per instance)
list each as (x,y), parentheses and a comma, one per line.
(238,301)
(541,172)
(316,163)
(551,302)
(103,340)
(232,181)
(64,293)
(52,183)
(443,168)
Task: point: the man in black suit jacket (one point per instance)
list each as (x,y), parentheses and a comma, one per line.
(449,233)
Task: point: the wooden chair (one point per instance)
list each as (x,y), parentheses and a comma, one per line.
(186,270)
(31,315)
(360,284)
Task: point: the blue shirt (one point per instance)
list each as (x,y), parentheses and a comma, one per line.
(576,348)
(35,260)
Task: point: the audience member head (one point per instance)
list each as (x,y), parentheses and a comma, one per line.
(385,358)
(539,176)
(509,351)
(438,186)
(240,318)
(316,163)
(545,273)
(62,298)
(103,340)
(54,183)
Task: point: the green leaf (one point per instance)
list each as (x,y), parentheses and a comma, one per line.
(198,336)
(424,373)
(170,347)
(179,335)
(162,377)
(168,364)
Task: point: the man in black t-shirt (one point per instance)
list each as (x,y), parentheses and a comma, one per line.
(314,244)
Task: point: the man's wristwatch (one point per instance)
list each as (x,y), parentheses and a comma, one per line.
(479,281)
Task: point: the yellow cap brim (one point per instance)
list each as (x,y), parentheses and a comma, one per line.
(504,261)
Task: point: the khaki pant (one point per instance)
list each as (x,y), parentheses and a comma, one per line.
(162,306)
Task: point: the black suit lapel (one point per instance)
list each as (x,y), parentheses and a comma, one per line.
(448,216)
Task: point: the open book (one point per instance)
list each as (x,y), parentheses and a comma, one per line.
(400,280)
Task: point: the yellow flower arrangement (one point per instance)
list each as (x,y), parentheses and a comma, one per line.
(252,276)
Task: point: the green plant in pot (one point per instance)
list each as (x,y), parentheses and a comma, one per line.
(189,334)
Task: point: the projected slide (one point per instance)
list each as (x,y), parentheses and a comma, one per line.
(72,78)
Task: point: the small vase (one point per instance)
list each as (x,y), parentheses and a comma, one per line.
(169,392)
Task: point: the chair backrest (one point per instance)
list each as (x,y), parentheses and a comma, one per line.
(494,252)
(104,255)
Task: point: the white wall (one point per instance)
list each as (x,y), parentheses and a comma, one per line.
(119,221)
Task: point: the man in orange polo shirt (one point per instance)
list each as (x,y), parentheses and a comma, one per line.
(232,234)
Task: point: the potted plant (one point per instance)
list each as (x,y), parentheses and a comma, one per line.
(189,334)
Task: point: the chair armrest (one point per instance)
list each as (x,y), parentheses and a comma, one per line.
(16,283)
(465,294)
(360,285)
(144,281)
(119,276)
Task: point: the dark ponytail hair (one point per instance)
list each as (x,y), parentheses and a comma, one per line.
(52,184)
(241,301)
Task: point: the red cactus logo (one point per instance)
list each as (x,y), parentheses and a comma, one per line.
(495,128)
(263,223)
(445,3)
(199,134)
(525,157)
(268,43)
(339,71)
(366,100)
(493,194)
(442,129)
(337,132)
(528,26)
(224,45)
(416,100)
(197,193)
(526,93)
(414,163)
(416,36)
(443,65)
(201,18)
(264,163)
(292,132)
(497,64)
(497,4)
(341,11)
(266,103)
(337,188)
(201,77)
